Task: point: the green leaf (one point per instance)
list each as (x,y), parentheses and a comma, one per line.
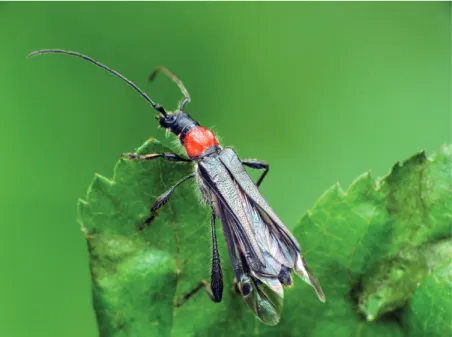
(381,251)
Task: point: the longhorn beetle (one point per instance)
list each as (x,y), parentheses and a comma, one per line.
(262,251)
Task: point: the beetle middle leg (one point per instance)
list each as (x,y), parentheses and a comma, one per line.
(162,200)
(202,285)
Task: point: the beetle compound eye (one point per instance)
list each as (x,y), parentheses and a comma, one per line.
(170,119)
(167,121)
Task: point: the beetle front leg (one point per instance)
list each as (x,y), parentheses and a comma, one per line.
(174,157)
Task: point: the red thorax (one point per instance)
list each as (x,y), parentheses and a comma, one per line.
(197,140)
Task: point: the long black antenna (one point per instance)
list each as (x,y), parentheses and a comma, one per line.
(176,80)
(157,107)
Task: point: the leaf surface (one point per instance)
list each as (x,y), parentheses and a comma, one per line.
(381,251)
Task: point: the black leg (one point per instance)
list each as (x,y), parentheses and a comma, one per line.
(257,164)
(184,298)
(216,276)
(162,200)
(174,157)
(189,294)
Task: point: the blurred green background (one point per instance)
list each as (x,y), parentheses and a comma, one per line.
(321,91)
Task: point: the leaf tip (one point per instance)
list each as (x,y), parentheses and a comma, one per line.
(417,158)
(149,146)
(81,205)
(101,182)
(336,189)
(395,167)
(332,193)
(362,182)
(371,306)
(81,201)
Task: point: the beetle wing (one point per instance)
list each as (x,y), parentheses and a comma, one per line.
(264,296)
(216,176)
(229,158)
(266,248)
(273,228)
(252,231)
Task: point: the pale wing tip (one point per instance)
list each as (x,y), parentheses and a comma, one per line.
(302,269)
(318,290)
(312,281)
(320,294)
